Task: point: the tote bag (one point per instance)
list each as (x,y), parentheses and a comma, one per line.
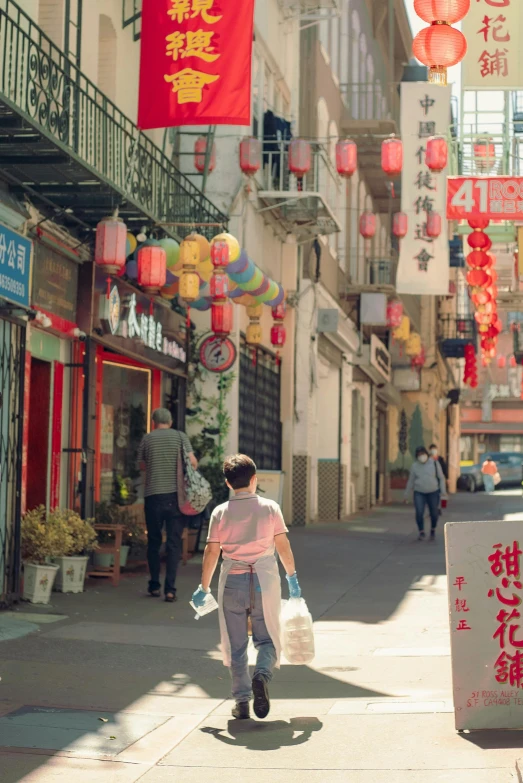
(194,491)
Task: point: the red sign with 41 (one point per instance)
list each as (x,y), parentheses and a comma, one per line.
(496,198)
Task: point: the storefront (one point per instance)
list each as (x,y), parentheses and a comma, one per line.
(135,361)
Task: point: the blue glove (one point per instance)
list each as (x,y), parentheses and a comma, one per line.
(294,586)
(199,596)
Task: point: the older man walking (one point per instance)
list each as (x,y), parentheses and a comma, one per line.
(158,456)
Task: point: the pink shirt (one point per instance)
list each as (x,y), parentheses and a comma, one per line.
(245,527)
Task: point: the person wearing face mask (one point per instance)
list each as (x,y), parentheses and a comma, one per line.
(435,455)
(427,483)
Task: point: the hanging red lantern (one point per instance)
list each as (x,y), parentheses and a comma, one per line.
(400,225)
(279,312)
(489,308)
(110,248)
(480,297)
(484,153)
(479,222)
(478,278)
(278,335)
(478,240)
(479,259)
(450,11)
(436,153)
(152,268)
(513,362)
(493,275)
(392,156)
(498,325)
(299,159)
(200,153)
(493,290)
(502,362)
(219,286)
(346,157)
(221,318)
(250,155)
(434,223)
(367,225)
(439,47)
(219,254)
(394,314)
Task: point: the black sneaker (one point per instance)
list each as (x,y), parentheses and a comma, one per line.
(432,535)
(241,710)
(421,537)
(262,704)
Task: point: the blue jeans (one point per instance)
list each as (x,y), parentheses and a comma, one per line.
(488,481)
(431,499)
(242,596)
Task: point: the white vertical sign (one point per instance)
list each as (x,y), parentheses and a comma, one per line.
(484,561)
(494,59)
(424,262)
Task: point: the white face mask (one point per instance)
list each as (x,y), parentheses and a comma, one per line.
(422,458)
(434,452)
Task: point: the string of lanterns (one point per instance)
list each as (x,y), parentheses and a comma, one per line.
(483,291)
(440,46)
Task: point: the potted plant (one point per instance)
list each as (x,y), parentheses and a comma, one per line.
(42,539)
(73,564)
(133,534)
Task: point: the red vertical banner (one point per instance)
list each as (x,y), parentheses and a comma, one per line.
(195,63)
(56,434)
(25,431)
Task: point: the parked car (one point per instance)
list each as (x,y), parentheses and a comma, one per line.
(510,468)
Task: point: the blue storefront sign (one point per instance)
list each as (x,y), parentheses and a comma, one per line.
(15,267)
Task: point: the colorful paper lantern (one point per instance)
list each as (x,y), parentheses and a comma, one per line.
(346,157)
(152,268)
(111,244)
(189,286)
(436,153)
(413,345)
(478,222)
(480,297)
(253,335)
(221,318)
(200,153)
(478,240)
(392,156)
(400,225)
(234,245)
(219,286)
(189,280)
(434,223)
(450,11)
(220,254)
(203,245)
(278,331)
(439,47)
(250,155)
(172,251)
(484,153)
(479,259)
(402,332)
(502,362)
(367,225)
(394,313)
(299,159)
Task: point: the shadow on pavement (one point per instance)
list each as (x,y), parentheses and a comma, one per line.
(269,735)
(495,740)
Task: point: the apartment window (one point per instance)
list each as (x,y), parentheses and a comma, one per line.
(511,443)
(107,57)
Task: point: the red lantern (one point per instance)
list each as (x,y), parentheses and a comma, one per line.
(392,156)
(433,229)
(480,297)
(110,248)
(484,153)
(220,254)
(278,335)
(478,278)
(513,362)
(278,312)
(367,225)
(221,318)
(152,268)
(450,11)
(200,153)
(502,362)
(219,286)
(346,157)
(479,259)
(493,275)
(479,222)
(493,290)
(436,154)
(299,159)
(400,225)
(394,314)
(250,155)
(478,240)
(439,47)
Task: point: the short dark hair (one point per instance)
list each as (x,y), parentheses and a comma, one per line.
(421,450)
(239,470)
(433,446)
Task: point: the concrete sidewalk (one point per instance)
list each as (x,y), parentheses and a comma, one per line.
(375,706)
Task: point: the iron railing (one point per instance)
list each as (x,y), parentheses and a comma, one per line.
(132,15)
(457,327)
(381,271)
(50,92)
(369,101)
(275,175)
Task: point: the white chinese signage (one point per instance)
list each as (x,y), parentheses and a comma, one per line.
(494,61)
(484,561)
(424,261)
(150,331)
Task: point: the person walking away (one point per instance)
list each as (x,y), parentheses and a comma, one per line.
(427,483)
(435,455)
(489,470)
(248,530)
(158,456)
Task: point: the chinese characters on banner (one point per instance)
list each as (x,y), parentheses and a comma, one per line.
(424,261)
(195,63)
(484,562)
(15,267)
(493,29)
(497,198)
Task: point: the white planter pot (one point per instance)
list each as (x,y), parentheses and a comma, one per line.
(106,560)
(71,575)
(38,582)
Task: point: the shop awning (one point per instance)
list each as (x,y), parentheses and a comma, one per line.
(491,427)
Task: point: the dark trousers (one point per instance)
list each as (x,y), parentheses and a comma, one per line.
(430,499)
(163,510)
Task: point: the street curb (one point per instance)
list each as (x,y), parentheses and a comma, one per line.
(519,770)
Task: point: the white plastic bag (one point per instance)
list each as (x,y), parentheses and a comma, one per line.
(297,632)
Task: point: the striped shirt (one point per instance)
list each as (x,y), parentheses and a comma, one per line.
(159,450)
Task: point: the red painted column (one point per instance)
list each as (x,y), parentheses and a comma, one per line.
(56,434)
(25,433)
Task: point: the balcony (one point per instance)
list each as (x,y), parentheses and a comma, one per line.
(454,333)
(369,119)
(304,208)
(74,153)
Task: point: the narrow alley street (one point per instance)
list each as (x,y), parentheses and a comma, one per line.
(111,686)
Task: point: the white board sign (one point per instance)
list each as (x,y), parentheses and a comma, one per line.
(270,485)
(494,61)
(484,562)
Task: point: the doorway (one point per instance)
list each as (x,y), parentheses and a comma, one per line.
(38,438)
